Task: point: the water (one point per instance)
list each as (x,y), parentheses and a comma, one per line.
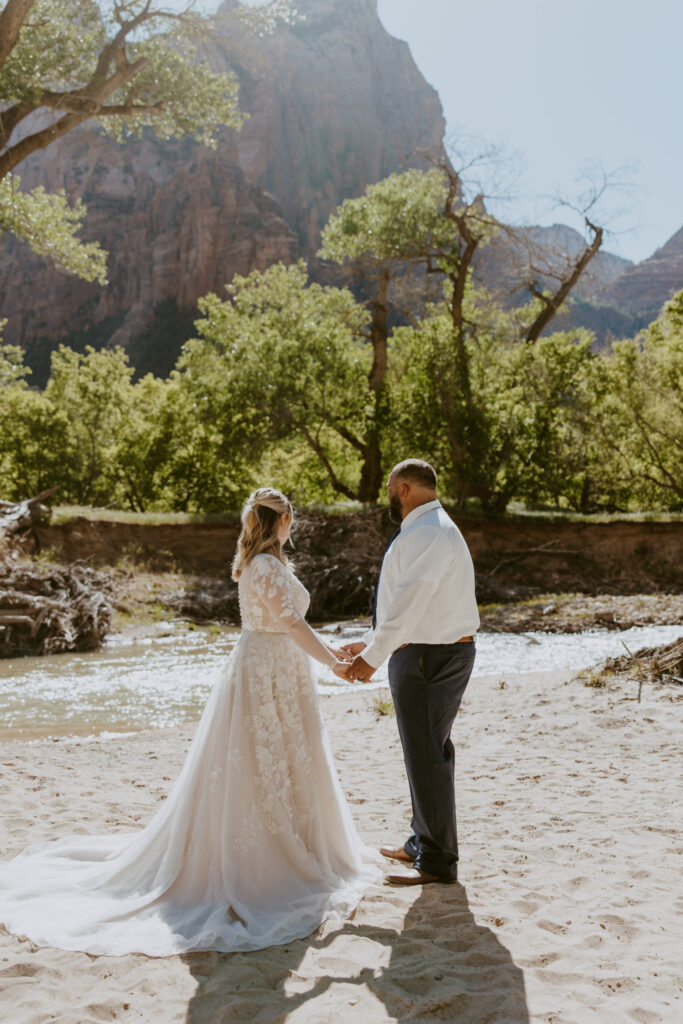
(164,681)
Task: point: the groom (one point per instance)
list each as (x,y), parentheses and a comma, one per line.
(425,619)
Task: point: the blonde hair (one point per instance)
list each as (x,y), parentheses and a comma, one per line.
(260,524)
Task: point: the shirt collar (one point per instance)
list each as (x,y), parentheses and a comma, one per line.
(421,510)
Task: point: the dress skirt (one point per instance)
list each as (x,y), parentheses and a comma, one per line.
(253,846)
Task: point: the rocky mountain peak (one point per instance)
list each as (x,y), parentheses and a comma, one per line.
(645,287)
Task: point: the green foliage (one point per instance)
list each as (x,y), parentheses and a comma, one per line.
(282,360)
(93,391)
(190,98)
(129,64)
(49,224)
(57,46)
(399,218)
(639,420)
(279,387)
(32,430)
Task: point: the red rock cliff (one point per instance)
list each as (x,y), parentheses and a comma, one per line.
(334,102)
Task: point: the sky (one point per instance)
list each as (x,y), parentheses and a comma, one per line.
(564,87)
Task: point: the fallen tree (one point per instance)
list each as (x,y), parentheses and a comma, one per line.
(19,519)
(46,609)
(50,609)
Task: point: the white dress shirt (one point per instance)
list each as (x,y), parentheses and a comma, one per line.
(426,588)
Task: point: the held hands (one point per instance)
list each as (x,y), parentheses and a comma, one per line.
(341,653)
(350,666)
(358,670)
(343,660)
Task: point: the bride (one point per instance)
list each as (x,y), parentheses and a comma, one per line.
(255,844)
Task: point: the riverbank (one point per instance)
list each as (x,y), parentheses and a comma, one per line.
(338,554)
(568,862)
(145,600)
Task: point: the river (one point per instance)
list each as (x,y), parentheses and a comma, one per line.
(163,681)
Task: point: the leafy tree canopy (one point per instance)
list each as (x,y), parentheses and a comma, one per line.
(130,65)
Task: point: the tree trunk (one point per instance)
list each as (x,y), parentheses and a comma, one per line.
(371,477)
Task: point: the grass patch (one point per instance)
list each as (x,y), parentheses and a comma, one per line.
(595,678)
(64,513)
(516,512)
(383,705)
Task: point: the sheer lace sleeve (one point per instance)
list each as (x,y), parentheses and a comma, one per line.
(274,586)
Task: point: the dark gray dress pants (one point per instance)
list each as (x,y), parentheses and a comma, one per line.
(427,684)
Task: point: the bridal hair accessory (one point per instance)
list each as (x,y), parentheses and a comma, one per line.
(274,504)
(268,497)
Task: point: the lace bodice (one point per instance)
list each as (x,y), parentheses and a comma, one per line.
(273,600)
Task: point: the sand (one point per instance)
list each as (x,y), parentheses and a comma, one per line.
(565,910)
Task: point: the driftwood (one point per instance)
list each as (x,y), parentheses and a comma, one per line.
(662,664)
(18,519)
(50,609)
(207,600)
(657,664)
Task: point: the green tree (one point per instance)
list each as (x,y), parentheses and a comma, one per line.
(639,422)
(282,362)
(32,431)
(129,65)
(527,417)
(93,390)
(380,238)
(434,223)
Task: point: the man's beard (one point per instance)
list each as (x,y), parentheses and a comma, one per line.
(395,511)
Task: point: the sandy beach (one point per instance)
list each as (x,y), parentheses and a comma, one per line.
(569,874)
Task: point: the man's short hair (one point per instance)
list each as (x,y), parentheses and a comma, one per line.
(416,471)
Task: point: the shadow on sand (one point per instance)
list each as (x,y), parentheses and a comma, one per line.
(441,965)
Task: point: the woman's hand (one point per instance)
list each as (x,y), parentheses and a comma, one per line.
(340,670)
(341,654)
(350,651)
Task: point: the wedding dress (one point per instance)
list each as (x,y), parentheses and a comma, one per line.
(254,845)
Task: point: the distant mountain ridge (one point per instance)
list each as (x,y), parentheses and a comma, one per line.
(646,286)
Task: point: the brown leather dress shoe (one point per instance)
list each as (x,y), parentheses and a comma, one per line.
(416,877)
(396,854)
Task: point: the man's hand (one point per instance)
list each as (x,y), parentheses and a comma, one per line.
(360,670)
(353,649)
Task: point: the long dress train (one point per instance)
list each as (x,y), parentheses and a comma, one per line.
(254,845)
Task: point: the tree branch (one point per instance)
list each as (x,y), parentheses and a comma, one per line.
(81,104)
(12,17)
(553,302)
(334,480)
(14,156)
(348,436)
(11,117)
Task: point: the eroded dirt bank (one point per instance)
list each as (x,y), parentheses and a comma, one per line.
(338,557)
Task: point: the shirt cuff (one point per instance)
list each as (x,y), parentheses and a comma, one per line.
(368,637)
(373,655)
